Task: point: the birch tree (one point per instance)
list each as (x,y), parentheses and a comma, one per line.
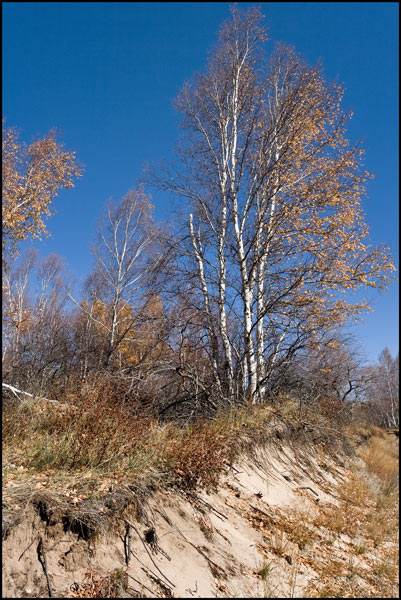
(37,349)
(17,309)
(121,259)
(276,228)
(382,390)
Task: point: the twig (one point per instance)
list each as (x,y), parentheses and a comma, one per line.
(199,550)
(164,515)
(167,519)
(218,513)
(306,487)
(149,523)
(262,512)
(145,568)
(27,548)
(205,556)
(233,468)
(192,592)
(143,585)
(164,553)
(346,500)
(150,556)
(322,427)
(164,587)
(127,543)
(12,389)
(43,562)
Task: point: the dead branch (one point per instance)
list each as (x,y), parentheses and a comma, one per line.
(306,487)
(216,566)
(43,562)
(15,391)
(27,548)
(148,553)
(143,585)
(127,543)
(145,568)
(199,500)
(262,512)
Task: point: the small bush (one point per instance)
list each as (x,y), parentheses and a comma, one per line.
(198,456)
(95,585)
(265,571)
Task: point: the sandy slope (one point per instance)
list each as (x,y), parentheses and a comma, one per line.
(248,539)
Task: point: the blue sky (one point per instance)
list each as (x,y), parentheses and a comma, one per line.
(106,75)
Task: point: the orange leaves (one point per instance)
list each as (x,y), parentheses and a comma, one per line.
(32,178)
(198,456)
(95,585)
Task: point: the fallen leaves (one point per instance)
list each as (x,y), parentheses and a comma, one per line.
(220,586)
(254,574)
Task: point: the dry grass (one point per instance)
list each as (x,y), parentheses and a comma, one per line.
(381,459)
(279,543)
(332,519)
(96,431)
(368,508)
(197,456)
(101,454)
(101,435)
(265,571)
(299,528)
(360,549)
(97,457)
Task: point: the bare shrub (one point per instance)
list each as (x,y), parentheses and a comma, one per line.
(198,456)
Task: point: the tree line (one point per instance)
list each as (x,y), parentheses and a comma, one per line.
(247,297)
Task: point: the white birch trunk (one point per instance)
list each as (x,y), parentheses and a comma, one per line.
(205,292)
(260,328)
(246,287)
(222,279)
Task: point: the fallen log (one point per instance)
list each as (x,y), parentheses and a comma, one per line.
(16,393)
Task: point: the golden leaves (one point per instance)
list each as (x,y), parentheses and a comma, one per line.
(32,178)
